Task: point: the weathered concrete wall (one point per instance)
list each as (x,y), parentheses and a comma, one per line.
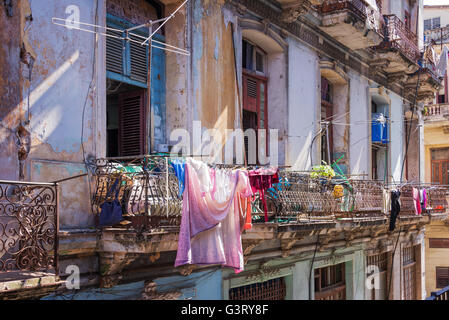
(137,12)
(177,67)
(213,68)
(360,131)
(11,81)
(62,105)
(397,137)
(277,100)
(435,257)
(303,103)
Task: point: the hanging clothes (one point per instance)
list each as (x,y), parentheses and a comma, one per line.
(423,199)
(395,208)
(386,204)
(416,201)
(210,229)
(261,180)
(179,166)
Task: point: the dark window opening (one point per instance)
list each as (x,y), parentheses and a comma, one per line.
(327,113)
(269,290)
(126,121)
(330,283)
(255,95)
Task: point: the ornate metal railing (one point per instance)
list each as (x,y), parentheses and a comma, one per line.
(437,199)
(399,37)
(301,197)
(150,199)
(443,294)
(359,8)
(148,190)
(28,226)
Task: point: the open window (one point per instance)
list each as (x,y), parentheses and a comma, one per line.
(380,132)
(327,113)
(330,283)
(131,123)
(255,106)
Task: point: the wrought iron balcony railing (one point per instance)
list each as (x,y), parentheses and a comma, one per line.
(148,190)
(372,17)
(28,227)
(299,197)
(399,37)
(150,199)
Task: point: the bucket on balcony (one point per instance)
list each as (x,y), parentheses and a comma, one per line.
(379,128)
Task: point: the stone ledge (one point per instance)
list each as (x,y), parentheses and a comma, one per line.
(23,285)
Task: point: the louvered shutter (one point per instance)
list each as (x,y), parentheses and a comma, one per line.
(139,60)
(250,94)
(114,52)
(442,277)
(132,123)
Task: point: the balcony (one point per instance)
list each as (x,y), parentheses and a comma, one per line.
(352,22)
(28,239)
(299,206)
(429,84)
(398,54)
(434,114)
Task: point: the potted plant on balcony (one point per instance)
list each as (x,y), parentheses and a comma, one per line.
(323,172)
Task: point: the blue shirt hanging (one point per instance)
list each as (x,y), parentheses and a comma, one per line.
(179,166)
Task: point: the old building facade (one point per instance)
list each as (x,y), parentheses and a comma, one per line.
(342,82)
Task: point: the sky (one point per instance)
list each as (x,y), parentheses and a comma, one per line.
(435,2)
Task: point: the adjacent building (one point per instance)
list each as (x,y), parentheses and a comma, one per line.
(436,144)
(342,82)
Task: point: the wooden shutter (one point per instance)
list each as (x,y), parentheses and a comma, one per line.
(132,123)
(114,52)
(250,94)
(438,243)
(139,60)
(442,277)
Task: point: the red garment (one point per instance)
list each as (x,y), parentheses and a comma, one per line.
(261,180)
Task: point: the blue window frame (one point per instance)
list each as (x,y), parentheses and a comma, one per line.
(128,62)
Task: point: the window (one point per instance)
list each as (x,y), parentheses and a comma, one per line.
(435,243)
(127,95)
(380,261)
(253,58)
(330,283)
(442,277)
(255,95)
(327,112)
(268,290)
(430,24)
(409,273)
(440,166)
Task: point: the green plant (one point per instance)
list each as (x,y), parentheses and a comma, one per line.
(322,171)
